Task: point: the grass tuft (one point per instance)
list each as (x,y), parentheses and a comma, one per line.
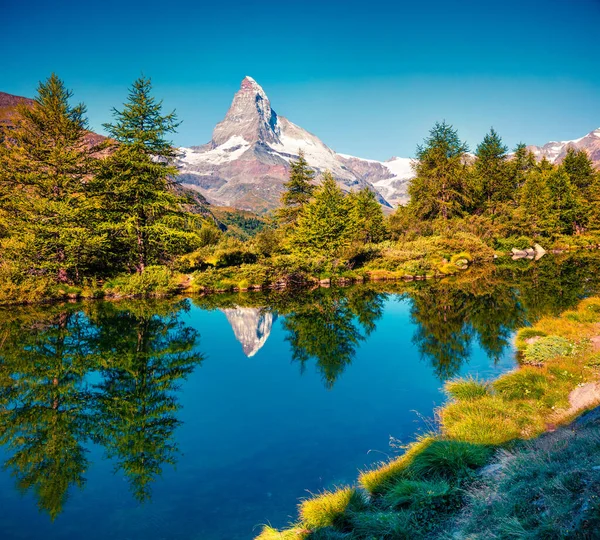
(377,480)
(467,389)
(329,508)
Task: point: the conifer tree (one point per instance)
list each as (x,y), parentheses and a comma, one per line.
(523,161)
(535,213)
(366,218)
(45,168)
(298,190)
(142,212)
(439,187)
(492,172)
(323,228)
(579,167)
(564,201)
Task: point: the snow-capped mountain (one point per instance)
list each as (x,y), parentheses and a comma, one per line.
(251,326)
(555,151)
(247,161)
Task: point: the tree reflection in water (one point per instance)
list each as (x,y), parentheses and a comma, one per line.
(50,408)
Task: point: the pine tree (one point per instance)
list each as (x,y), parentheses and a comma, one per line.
(323,228)
(141,210)
(45,168)
(439,187)
(579,167)
(535,205)
(366,218)
(523,161)
(298,190)
(565,207)
(492,172)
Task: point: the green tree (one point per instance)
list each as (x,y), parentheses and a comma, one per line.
(439,187)
(564,201)
(578,165)
(44,172)
(492,172)
(367,222)
(523,161)
(140,209)
(323,230)
(298,190)
(534,213)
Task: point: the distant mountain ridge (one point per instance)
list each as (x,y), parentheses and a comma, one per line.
(555,151)
(247,160)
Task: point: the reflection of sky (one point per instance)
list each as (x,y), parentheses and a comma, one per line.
(255,436)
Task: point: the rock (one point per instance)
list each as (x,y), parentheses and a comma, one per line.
(584,396)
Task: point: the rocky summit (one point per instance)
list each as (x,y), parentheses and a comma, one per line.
(555,151)
(247,161)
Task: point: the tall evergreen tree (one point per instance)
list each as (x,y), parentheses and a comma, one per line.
(367,221)
(439,187)
(534,213)
(579,167)
(564,201)
(142,212)
(45,168)
(298,190)
(323,226)
(523,161)
(492,171)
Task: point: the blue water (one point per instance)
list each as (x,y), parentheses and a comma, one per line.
(254,434)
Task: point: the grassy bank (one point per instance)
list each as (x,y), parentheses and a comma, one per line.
(437,486)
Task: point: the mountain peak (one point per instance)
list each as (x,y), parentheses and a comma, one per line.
(250,116)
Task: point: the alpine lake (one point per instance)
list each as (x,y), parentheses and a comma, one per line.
(203,418)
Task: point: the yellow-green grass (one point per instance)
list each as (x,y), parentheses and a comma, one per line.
(377,480)
(329,508)
(414,492)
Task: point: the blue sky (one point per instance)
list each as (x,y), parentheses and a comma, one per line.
(369,78)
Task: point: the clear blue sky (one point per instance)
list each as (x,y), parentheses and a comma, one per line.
(368,77)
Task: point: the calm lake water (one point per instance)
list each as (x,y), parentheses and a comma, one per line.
(203,418)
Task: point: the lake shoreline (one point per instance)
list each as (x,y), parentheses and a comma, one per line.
(432,487)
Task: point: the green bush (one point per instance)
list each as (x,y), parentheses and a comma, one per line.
(547,348)
(396,525)
(154,280)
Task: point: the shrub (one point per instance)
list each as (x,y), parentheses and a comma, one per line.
(157,280)
(467,389)
(328,508)
(547,348)
(527,334)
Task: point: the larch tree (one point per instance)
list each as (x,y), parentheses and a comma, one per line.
(298,191)
(366,219)
(142,212)
(44,171)
(439,187)
(492,172)
(323,227)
